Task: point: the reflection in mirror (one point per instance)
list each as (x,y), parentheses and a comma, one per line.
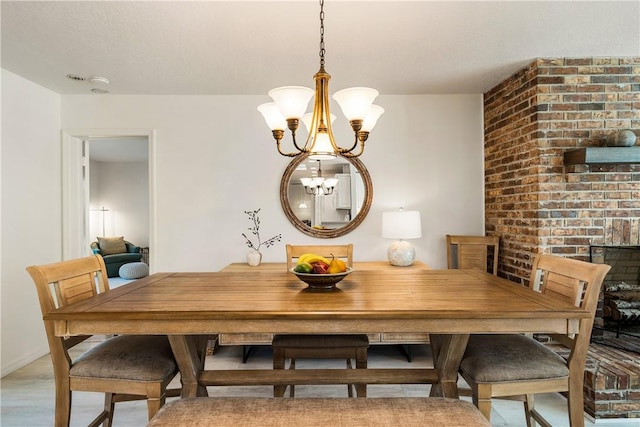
(327,198)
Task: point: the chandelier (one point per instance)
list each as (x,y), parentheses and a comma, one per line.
(290,103)
(318,186)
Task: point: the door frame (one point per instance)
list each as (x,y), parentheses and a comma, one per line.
(75,188)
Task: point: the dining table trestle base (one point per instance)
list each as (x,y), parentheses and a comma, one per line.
(258,377)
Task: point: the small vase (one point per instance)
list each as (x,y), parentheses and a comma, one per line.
(254,258)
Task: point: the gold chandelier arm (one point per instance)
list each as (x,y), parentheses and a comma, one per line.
(346,151)
(277,135)
(293,124)
(360,136)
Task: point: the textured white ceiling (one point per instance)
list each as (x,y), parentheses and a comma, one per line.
(249,47)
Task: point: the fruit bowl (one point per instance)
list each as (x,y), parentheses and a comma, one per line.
(322,281)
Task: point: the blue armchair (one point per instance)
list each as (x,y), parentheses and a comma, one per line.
(113,261)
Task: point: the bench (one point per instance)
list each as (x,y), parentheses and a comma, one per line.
(308,412)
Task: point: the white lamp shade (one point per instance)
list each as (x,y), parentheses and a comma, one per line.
(317,182)
(322,148)
(330,182)
(272,116)
(312,182)
(401,225)
(375,111)
(292,101)
(355,101)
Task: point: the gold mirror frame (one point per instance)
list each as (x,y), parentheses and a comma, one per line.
(325,234)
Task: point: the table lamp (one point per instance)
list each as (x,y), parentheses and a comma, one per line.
(401,225)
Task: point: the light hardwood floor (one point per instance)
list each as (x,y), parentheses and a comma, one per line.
(27,394)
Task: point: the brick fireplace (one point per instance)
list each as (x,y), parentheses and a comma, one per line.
(532,200)
(536,203)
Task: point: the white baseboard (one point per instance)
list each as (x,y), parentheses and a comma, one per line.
(23,361)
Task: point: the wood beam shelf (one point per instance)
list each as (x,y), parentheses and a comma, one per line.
(602,156)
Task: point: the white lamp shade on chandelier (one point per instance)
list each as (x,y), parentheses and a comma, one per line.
(401,225)
(272,115)
(370,120)
(290,103)
(355,102)
(322,148)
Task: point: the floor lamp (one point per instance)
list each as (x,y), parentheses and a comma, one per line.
(104,215)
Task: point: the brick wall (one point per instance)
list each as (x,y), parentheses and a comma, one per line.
(512,189)
(532,201)
(537,205)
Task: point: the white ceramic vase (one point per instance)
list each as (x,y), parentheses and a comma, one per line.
(254,258)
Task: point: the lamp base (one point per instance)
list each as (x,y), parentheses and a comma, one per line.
(401,253)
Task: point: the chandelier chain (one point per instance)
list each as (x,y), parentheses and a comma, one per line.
(322,33)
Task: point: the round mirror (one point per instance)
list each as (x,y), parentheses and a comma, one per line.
(334,199)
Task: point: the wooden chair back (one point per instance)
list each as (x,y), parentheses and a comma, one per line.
(472,252)
(344,252)
(63,283)
(575,282)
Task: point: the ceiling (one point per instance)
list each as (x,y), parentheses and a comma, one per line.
(249,47)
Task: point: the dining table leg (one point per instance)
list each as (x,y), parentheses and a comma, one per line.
(190,356)
(447,351)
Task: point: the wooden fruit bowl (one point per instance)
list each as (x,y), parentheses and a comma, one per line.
(322,281)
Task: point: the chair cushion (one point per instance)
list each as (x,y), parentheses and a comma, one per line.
(128,357)
(307,412)
(305,341)
(134,270)
(112,245)
(495,358)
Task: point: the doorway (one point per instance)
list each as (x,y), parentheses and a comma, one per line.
(108,189)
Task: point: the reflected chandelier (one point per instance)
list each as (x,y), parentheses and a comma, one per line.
(290,103)
(318,186)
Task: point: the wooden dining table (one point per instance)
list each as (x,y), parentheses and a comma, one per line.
(448,304)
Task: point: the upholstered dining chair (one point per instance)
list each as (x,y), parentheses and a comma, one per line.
(472,252)
(122,367)
(520,366)
(316,346)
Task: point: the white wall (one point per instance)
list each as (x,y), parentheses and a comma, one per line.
(215,158)
(31,211)
(123,189)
